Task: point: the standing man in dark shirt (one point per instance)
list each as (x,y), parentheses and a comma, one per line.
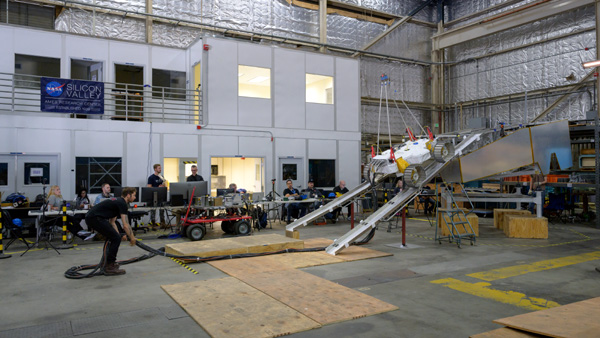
(194,176)
(292,193)
(102,219)
(339,191)
(156,180)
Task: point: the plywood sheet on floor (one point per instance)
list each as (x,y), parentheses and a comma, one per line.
(227,307)
(506,332)
(578,319)
(317,298)
(235,245)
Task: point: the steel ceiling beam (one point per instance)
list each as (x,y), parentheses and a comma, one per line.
(501,22)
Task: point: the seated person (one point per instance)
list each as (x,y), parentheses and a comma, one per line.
(235,189)
(82,201)
(104,195)
(312,192)
(293,193)
(426,200)
(339,191)
(55,202)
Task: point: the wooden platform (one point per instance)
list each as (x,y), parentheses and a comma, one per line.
(228,307)
(578,319)
(234,245)
(268,297)
(500,213)
(506,332)
(525,226)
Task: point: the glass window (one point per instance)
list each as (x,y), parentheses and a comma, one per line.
(322,172)
(3,173)
(86,70)
(319,89)
(28,14)
(29,69)
(36,173)
(290,172)
(92,172)
(254,82)
(168,82)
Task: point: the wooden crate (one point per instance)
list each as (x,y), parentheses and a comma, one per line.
(472,218)
(500,213)
(525,226)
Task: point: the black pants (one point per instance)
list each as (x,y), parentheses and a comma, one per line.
(72,224)
(113,238)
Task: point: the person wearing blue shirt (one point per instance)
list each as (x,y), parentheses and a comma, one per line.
(104,195)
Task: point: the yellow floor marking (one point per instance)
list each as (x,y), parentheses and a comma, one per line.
(518,270)
(482,289)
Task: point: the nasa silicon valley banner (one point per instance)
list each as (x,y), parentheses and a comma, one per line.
(72,96)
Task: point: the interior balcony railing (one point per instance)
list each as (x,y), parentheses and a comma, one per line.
(21,94)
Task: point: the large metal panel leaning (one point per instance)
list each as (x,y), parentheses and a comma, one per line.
(510,152)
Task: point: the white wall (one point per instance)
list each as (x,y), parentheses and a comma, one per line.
(282,126)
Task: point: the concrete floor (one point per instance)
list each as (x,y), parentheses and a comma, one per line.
(38,301)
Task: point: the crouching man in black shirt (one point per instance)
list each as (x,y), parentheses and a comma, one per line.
(102,219)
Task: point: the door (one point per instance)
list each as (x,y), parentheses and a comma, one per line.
(34,172)
(197,94)
(291,168)
(8,181)
(129,92)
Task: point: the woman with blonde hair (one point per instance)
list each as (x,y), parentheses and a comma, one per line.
(55,202)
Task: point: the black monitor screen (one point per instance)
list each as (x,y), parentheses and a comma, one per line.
(118,190)
(221,192)
(148,195)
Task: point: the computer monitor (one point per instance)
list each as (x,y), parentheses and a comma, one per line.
(154,196)
(118,190)
(186,188)
(221,192)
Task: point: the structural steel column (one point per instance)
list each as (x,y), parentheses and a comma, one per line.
(323,23)
(437,84)
(597,126)
(148,21)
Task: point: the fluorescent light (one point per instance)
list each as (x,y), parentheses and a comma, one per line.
(258,79)
(240,74)
(591,64)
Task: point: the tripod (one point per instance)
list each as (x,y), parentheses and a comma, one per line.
(43,231)
(271,196)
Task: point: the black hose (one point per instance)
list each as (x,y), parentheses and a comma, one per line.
(97,269)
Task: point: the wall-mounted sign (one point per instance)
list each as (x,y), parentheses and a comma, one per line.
(36,172)
(71,96)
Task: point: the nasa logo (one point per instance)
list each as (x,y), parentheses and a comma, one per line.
(54,88)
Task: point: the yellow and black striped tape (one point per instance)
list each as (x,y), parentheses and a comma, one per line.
(184,265)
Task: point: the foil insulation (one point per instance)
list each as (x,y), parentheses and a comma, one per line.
(408,82)
(459,9)
(370,117)
(108,26)
(400,8)
(543,64)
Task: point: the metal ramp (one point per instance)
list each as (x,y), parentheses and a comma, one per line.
(329,207)
(431,169)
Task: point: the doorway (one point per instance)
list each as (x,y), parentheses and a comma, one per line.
(246,172)
(198,90)
(129,92)
(28,174)
(291,168)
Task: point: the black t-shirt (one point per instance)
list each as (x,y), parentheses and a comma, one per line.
(155,181)
(193,178)
(290,191)
(314,192)
(109,208)
(341,191)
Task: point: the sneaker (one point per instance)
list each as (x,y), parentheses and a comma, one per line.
(90,236)
(112,269)
(83,233)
